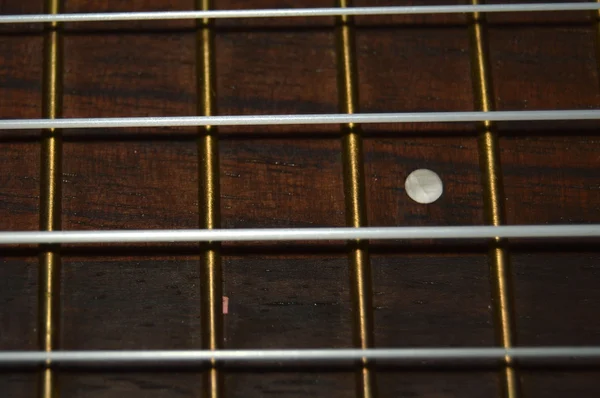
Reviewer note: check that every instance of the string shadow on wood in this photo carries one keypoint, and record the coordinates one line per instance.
(312, 249)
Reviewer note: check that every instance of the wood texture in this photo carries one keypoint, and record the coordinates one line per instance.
(297, 295)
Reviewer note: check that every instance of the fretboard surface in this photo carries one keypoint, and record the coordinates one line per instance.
(299, 294)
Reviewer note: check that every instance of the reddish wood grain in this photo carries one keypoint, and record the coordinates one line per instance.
(297, 295)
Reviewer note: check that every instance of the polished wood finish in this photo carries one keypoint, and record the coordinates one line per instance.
(298, 295)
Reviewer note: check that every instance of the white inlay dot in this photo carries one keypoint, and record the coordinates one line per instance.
(424, 186)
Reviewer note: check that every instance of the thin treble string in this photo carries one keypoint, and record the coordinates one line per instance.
(297, 12)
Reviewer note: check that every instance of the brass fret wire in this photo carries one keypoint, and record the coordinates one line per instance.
(354, 188)
(50, 200)
(489, 157)
(208, 201)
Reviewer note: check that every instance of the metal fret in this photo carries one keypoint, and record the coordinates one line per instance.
(211, 286)
(489, 157)
(50, 200)
(356, 208)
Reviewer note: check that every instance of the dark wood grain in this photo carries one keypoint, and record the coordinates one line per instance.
(297, 295)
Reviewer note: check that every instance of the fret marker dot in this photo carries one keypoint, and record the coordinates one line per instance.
(424, 186)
